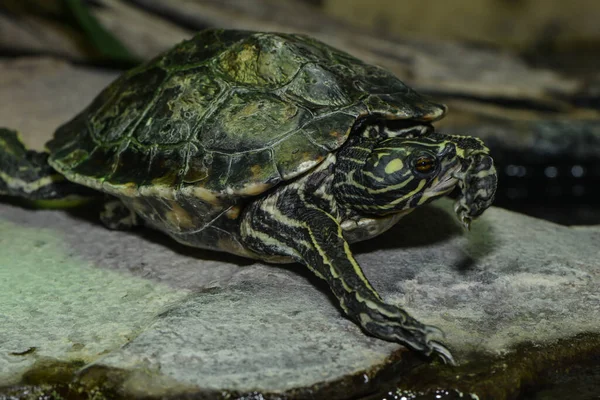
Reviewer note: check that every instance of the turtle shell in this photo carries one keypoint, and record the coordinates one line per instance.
(226, 114)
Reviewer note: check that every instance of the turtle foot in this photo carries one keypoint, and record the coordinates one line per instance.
(395, 325)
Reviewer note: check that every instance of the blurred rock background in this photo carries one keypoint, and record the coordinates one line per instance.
(522, 74)
(547, 31)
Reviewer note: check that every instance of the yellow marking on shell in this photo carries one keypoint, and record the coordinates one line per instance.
(137, 204)
(339, 136)
(249, 110)
(394, 166)
(201, 193)
(158, 191)
(254, 189)
(255, 170)
(129, 189)
(233, 212)
(178, 217)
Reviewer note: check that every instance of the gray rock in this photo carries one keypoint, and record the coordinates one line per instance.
(137, 302)
(39, 94)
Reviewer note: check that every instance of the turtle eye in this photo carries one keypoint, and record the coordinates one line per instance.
(425, 164)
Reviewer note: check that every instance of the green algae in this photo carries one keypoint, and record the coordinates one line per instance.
(523, 373)
(519, 374)
(58, 380)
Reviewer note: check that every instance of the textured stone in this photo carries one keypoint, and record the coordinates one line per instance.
(137, 301)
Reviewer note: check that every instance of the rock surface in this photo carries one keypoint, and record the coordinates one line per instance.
(39, 94)
(175, 320)
(135, 301)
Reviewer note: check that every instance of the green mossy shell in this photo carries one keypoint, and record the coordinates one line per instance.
(230, 113)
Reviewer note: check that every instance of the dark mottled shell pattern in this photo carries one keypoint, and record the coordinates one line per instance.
(227, 113)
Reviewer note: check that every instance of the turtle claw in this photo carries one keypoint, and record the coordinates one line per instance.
(436, 347)
(409, 332)
(442, 352)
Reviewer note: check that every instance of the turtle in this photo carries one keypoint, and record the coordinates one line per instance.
(271, 146)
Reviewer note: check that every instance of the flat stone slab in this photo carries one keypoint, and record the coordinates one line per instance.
(76, 291)
(195, 320)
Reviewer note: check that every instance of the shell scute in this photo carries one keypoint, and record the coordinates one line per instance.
(201, 48)
(261, 60)
(72, 148)
(166, 167)
(114, 119)
(317, 88)
(297, 153)
(248, 169)
(131, 167)
(197, 168)
(330, 132)
(218, 166)
(249, 121)
(99, 164)
(184, 99)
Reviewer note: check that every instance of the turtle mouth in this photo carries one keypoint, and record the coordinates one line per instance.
(450, 180)
(446, 183)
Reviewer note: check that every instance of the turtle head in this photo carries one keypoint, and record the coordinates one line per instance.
(398, 173)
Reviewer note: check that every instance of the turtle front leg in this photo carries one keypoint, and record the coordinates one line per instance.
(314, 237)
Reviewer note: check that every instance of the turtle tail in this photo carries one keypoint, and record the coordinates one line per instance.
(26, 173)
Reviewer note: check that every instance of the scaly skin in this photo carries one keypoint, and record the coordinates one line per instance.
(370, 177)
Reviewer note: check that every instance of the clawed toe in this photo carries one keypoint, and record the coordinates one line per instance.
(443, 352)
